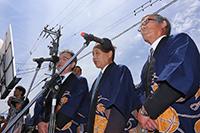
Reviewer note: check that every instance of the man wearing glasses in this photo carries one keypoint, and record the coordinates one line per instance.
(170, 79)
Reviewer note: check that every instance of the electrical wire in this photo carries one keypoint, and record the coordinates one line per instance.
(61, 12)
(38, 40)
(122, 19)
(134, 25)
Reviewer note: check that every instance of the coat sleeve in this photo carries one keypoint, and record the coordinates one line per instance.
(78, 91)
(125, 97)
(182, 71)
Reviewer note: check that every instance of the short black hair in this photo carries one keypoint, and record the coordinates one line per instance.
(106, 47)
(21, 88)
(78, 67)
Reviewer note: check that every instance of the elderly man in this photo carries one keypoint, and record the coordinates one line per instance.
(113, 92)
(70, 100)
(170, 79)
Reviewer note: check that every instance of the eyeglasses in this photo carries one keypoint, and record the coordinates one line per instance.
(145, 22)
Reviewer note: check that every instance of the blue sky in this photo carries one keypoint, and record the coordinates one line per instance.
(105, 18)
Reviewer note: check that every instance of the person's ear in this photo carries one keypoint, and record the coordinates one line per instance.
(164, 24)
(73, 64)
(110, 54)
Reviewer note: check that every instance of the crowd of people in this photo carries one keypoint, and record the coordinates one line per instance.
(166, 100)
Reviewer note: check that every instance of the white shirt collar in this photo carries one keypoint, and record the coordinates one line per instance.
(66, 76)
(156, 42)
(104, 68)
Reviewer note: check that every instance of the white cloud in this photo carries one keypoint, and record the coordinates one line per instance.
(188, 18)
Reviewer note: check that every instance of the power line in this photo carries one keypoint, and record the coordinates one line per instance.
(164, 7)
(136, 11)
(34, 47)
(36, 42)
(99, 18)
(70, 13)
(123, 32)
(109, 27)
(79, 13)
(144, 6)
(123, 18)
(30, 71)
(159, 10)
(61, 12)
(126, 30)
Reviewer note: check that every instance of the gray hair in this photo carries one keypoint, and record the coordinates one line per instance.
(161, 19)
(69, 52)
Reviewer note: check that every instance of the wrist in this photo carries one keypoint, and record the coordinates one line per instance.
(143, 111)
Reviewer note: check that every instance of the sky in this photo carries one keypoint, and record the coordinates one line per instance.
(105, 18)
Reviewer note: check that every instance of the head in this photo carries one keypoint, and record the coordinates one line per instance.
(103, 54)
(77, 70)
(19, 91)
(64, 56)
(153, 26)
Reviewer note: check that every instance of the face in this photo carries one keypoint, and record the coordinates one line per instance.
(100, 58)
(77, 71)
(63, 58)
(151, 29)
(17, 93)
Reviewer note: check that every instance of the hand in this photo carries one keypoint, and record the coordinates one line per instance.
(42, 127)
(146, 122)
